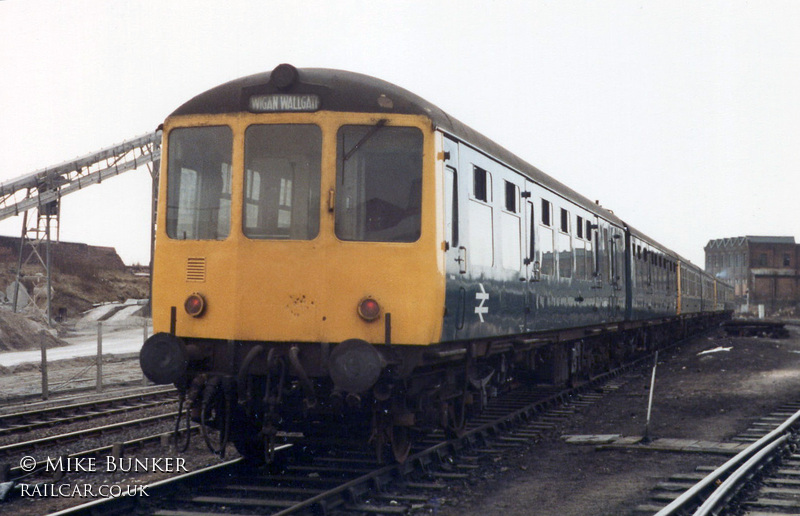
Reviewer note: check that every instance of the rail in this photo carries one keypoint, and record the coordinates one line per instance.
(731, 476)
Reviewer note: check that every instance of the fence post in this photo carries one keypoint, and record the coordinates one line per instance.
(99, 356)
(43, 342)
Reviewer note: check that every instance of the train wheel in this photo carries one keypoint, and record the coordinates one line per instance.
(246, 438)
(401, 442)
(381, 432)
(215, 413)
(456, 417)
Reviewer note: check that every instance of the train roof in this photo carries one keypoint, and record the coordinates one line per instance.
(338, 90)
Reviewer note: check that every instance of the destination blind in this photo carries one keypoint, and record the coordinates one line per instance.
(279, 102)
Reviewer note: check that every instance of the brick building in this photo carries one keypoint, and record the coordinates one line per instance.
(763, 270)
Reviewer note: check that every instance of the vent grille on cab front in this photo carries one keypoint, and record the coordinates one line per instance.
(196, 269)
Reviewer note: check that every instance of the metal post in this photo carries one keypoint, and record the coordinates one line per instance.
(43, 341)
(49, 275)
(99, 356)
(154, 174)
(144, 338)
(646, 437)
(19, 261)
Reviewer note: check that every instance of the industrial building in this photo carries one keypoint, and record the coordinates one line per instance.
(764, 270)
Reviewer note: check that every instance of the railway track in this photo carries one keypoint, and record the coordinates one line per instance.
(345, 478)
(35, 445)
(28, 420)
(112, 450)
(761, 480)
(49, 423)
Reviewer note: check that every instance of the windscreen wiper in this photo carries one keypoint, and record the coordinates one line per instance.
(363, 140)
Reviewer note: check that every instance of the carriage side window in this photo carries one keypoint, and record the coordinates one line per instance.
(451, 205)
(565, 265)
(282, 181)
(609, 262)
(578, 248)
(378, 183)
(511, 229)
(511, 241)
(199, 183)
(547, 250)
(481, 233)
(589, 252)
(546, 212)
(512, 197)
(481, 184)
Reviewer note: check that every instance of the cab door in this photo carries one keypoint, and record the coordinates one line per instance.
(455, 251)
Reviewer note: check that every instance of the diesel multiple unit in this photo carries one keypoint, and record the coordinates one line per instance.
(331, 247)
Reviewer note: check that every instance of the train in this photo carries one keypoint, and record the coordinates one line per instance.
(334, 252)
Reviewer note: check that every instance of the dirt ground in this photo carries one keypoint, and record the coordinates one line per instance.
(66, 377)
(712, 397)
(73, 294)
(22, 332)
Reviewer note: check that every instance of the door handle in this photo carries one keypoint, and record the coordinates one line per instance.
(462, 259)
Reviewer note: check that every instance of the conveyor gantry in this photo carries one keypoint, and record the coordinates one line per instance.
(48, 185)
(42, 190)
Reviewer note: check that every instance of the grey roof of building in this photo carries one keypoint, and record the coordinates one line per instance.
(771, 239)
(739, 241)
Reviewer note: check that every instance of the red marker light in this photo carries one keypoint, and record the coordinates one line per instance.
(369, 309)
(195, 305)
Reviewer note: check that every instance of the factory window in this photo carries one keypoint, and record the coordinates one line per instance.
(564, 221)
(199, 183)
(512, 196)
(787, 260)
(762, 260)
(579, 226)
(282, 181)
(378, 183)
(547, 211)
(481, 184)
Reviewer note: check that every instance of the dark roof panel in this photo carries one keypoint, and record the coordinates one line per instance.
(340, 90)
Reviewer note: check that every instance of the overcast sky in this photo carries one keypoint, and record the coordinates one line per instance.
(683, 117)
